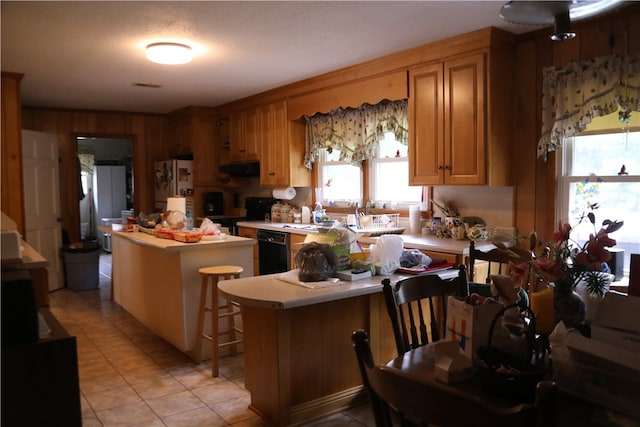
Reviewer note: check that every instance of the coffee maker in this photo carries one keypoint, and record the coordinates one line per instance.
(213, 204)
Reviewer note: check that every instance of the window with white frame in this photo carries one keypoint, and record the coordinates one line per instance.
(341, 182)
(604, 169)
(389, 175)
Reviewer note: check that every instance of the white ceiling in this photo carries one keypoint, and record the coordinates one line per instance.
(89, 55)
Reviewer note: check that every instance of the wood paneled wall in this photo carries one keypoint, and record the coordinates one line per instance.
(147, 131)
(12, 185)
(613, 33)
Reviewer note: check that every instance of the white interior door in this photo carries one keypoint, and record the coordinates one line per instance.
(42, 200)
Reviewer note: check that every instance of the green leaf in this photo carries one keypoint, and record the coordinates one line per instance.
(592, 217)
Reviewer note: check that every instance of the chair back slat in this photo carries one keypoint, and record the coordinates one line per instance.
(407, 301)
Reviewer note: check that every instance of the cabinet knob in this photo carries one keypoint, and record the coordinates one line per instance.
(272, 173)
(440, 167)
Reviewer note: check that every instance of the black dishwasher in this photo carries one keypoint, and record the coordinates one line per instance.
(273, 251)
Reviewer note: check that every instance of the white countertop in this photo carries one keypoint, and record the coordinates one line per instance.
(173, 245)
(411, 241)
(270, 292)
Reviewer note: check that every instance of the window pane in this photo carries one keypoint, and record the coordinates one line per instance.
(344, 182)
(391, 181)
(605, 154)
(618, 201)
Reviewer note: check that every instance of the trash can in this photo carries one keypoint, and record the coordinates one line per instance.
(82, 265)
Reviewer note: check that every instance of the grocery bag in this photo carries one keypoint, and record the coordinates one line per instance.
(469, 324)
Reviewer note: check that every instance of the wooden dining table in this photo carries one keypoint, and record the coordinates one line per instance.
(419, 365)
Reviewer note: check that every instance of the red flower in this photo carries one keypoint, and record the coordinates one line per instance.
(595, 252)
(563, 233)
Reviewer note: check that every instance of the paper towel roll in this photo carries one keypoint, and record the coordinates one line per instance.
(177, 204)
(414, 219)
(284, 193)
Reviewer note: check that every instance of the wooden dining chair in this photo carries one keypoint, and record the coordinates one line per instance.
(421, 402)
(497, 263)
(408, 300)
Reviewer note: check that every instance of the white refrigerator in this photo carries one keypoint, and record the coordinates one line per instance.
(173, 178)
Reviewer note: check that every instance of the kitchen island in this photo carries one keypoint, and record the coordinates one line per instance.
(157, 281)
(299, 360)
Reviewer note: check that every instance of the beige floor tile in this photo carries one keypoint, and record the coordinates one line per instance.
(221, 392)
(194, 375)
(127, 415)
(91, 420)
(201, 417)
(112, 398)
(173, 404)
(159, 387)
(235, 410)
(144, 374)
(102, 382)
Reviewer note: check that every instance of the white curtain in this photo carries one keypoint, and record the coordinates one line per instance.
(355, 131)
(573, 96)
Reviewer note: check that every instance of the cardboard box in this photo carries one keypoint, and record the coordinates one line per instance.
(621, 339)
(450, 365)
(350, 276)
(619, 311)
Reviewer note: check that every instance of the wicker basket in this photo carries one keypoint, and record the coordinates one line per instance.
(505, 375)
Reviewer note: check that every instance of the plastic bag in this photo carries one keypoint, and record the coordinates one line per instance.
(386, 253)
(413, 257)
(209, 228)
(316, 262)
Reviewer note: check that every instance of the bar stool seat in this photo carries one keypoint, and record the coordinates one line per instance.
(230, 309)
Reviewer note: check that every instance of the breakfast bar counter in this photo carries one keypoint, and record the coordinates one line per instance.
(157, 281)
(299, 360)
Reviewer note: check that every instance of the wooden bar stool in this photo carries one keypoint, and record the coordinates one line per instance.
(232, 309)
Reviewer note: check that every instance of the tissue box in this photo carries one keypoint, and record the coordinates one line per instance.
(350, 276)
(450, 365)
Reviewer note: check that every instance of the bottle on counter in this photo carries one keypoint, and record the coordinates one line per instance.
(305, 215)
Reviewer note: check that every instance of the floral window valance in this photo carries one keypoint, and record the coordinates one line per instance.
(573, 96)
(355, 131)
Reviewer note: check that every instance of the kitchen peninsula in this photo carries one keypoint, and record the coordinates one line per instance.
(157, 281)
(299, 362)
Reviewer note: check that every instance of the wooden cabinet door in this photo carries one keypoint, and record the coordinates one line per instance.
(426, 121)
(464, 118)
(243, 136)
(274, 165)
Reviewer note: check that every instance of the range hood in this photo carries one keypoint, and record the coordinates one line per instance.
(241, 169)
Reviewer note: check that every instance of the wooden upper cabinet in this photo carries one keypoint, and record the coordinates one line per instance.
(451, 140)
(426, 125)
(243, 136)
(281, 148)
(464, 118)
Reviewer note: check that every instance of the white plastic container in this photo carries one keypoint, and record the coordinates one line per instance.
(306, 215)
(414, 219)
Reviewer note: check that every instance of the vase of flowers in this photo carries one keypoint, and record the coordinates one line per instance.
(563, 263)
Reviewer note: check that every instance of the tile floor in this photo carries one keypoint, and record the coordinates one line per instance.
(131, 377)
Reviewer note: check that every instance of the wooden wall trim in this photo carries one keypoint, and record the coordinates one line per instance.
(392, 86)
(394, 62)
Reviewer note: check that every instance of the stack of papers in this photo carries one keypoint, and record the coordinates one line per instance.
(292, 277)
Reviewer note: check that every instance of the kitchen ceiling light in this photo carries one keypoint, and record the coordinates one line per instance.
(558, 13)
(562, 30)
(169, 53)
